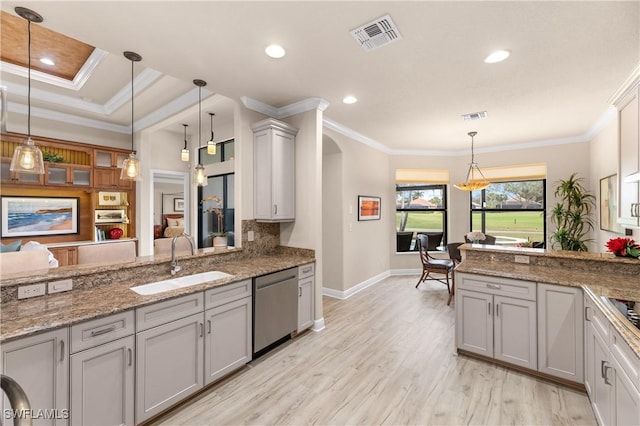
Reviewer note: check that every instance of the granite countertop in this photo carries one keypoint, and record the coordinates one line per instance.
(19, 318)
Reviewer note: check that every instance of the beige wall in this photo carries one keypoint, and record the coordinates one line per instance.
(332, 215)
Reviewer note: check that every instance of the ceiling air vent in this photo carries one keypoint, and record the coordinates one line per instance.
(376, 33)
(475, 116)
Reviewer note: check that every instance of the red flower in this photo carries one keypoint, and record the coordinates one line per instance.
(623, 247)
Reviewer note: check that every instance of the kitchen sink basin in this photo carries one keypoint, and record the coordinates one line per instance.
(179, 282)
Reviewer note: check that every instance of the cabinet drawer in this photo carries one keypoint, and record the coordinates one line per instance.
(307, 270)
(169, 310)
(625, 356)
(102, 330)
(494, 285)
(227, 293)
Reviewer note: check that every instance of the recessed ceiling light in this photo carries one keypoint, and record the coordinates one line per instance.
(350, 100)
(275, 51)
(47, 61)
(497, 56)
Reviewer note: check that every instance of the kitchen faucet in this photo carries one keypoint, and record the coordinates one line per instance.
(174, 262)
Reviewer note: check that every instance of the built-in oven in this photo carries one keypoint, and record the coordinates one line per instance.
(275, 309)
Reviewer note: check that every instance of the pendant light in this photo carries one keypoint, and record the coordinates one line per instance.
(475, 179)
(131, 165)
(184, 154)
(211, 145)
(200, 178)
(27, 158)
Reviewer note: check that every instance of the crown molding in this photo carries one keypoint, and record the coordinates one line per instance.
(143, 80)
(171, 109)
(309, 104)
(68, 118)
(359, 137)
(76, 84)
(626, 87)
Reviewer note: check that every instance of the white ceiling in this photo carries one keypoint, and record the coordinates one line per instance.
(568, 59)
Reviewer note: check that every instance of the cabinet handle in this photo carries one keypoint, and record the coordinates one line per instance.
(489, 307)
(130, 353)
(299, 291)
(497, 309)
(275, 209)
(606, 375)
(305, 270)
(587, 313)
(633, 209)
(602, 365)
(201, 329)
(209, 323)
(61, 350)
(494, 286)
(103, 331)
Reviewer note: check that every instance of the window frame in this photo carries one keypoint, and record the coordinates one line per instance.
(221, 147)
(444, 209)
(483, 211)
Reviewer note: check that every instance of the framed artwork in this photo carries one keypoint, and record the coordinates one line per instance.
(178, 204)
(368, 208)
(111, 216)
(39, 216)
(109, 198)
(608, 204)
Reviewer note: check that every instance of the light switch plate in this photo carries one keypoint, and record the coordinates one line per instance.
(522, 259)
(250, 235)
(60, 285)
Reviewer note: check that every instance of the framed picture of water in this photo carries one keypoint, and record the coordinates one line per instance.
(39, 216)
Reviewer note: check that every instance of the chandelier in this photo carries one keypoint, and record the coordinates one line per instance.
(475, 179)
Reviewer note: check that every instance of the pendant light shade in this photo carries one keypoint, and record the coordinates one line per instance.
(211, 145)
(131, 166)
(200, 177)
(475, 179)
(27, 158)
(184, 154)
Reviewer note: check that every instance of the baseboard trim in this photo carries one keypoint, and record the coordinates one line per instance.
(342, 295)
(318, 325)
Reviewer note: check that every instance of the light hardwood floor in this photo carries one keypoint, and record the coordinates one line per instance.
(386, 357)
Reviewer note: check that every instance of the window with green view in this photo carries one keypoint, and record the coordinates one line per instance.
(420, 208)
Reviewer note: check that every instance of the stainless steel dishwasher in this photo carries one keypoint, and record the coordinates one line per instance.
(275, 307)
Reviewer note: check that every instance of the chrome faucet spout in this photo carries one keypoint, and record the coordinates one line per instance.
(175, 268)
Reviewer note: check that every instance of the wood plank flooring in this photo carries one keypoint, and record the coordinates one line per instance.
(386, 357)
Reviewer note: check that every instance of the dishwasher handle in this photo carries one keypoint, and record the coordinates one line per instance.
(262, 285)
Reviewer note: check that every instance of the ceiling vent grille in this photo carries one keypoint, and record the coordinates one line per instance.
(475, 116)
(376, 33)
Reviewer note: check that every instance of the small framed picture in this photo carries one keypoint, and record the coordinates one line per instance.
(608, 204)
(368, 208)
(178, 204)
(109, 198)
(111, 216)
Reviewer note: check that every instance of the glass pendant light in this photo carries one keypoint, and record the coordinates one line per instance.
(211, 145)
(475, 178)
(27, 158)
(184, 154)
(131, 165)
(199, 177)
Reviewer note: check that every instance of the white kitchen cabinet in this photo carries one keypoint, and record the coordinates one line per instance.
(102, 370)
(40, 365)
(601, 392)
(274, 171)
(560, 332)
(102, 384)
(629, 160)
(169, 355)
(306, 290)
(490, 323)
(625, 400)
(228, 339)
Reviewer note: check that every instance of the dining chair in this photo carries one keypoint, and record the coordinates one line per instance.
(403, 240)
(438, 266)
(454, 252)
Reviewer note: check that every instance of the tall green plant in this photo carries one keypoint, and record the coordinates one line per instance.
(572, 216)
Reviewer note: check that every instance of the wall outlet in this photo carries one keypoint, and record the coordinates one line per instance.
(26, 291)
(61, 285)
(250, 235)
(522, 259)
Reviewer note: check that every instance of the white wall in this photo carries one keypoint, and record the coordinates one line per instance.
(332, 216)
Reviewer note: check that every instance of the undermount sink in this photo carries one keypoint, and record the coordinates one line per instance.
(180, 282)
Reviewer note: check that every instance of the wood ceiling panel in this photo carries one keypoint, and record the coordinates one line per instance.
(68, 54)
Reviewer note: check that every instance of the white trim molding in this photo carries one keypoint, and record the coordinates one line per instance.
(309, 104)
(318, 325)
(342, 295)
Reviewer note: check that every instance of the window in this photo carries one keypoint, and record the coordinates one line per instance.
(221, 186)
(512, 211)
(420, 208)
(224, 152)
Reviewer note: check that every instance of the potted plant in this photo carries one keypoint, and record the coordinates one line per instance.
(220, 236)
(572, 215)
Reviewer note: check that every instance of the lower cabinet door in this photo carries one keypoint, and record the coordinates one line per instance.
(626, 398)
(40, 365)
(228, 338)
(515, 328)
(305, 303)
(474, 322)
(102, 384)
(589, 362)
(169, 364)
(601, 390)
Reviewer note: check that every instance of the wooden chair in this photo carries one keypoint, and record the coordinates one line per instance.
(438, 266)
(454, 252)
